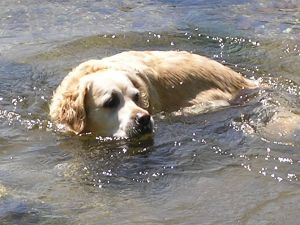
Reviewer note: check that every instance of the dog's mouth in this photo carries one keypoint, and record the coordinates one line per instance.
(141, 125)
(137, 129)
(142, 130)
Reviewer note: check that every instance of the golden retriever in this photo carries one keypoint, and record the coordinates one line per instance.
(117, 95)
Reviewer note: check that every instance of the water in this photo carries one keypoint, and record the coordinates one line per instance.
(229, 166)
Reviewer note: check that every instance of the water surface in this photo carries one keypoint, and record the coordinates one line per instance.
(228, 166)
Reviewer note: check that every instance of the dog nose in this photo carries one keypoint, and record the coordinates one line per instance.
(143, 118)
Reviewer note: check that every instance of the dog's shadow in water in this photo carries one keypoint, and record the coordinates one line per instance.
(106, 161)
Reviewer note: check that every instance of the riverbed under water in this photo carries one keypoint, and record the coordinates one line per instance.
(228, 166)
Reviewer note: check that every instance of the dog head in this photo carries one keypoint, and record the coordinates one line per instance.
(106, 103)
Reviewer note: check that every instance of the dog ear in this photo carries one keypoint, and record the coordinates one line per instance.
(72, 110)
(149, 95)
(141, 86)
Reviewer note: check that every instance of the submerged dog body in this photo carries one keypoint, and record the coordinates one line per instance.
(115, 96)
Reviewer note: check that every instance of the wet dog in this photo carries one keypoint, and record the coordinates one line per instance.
(117, 95)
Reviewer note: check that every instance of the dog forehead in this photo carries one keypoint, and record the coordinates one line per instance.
(110, 80)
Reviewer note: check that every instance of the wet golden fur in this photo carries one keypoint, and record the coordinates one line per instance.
(166, 81)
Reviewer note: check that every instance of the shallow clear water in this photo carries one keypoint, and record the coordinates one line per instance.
(229, 166)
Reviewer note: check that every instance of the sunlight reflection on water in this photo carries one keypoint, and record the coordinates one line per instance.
(231, 158)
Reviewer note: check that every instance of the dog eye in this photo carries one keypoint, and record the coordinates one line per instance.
(136, 97)
(112, 102)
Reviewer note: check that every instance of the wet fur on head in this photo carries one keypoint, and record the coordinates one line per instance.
(67, 105)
